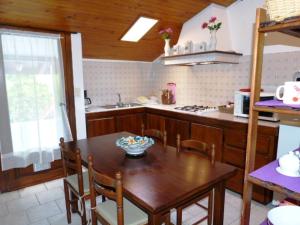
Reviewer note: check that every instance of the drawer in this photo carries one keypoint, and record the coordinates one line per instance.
(237, 139)
(237, 157)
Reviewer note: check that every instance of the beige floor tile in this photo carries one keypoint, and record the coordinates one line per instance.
(22, 204)
(8, 196)
(54, 184)
(42, 211)
(61, 219)
(61, 204)
(32, 190)
(41, 222)
(15, 219)
(3, 210)
(50, 195)
(231, 213)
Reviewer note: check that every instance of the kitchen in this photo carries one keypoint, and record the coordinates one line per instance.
(105, 72)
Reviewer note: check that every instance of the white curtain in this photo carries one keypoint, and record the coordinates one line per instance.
(31, 79)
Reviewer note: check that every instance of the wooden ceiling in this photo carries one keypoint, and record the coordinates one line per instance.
(103, 22)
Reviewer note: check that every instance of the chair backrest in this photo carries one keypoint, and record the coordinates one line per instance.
(72, 163)
(101, 184)
(196, 146)
(161, 136)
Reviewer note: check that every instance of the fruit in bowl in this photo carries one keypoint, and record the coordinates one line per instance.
(134, 145)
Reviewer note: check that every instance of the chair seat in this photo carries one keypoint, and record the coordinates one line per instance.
(132, 214)
(73, 181)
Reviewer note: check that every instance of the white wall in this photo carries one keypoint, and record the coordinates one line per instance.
(192, 29)
(237, 29)
(78, 85)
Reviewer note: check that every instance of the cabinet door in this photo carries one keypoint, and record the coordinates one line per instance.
(131, 123)
(101, 126)
(155, 122)
(210, 135)
(174, 127)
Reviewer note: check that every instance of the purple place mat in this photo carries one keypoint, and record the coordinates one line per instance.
(268, 173)
(276, 103)
(266, 222)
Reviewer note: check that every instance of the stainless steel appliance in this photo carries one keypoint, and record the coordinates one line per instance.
(87, 100)
(197, 108)
(242, 104)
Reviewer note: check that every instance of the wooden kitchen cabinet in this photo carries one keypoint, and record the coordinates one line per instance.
(100, 126)
(174, 127)
(155, 122)
(131, 123)
(234, 153)
(210, 135)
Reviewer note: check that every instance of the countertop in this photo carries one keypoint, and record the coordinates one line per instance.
(213, 115)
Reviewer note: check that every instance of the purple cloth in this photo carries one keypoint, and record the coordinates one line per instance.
(268, 173)
(276, 103)
(266, 222)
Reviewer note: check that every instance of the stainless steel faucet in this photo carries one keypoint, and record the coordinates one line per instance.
(119, 103)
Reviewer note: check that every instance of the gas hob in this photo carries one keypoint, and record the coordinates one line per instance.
(197, 108)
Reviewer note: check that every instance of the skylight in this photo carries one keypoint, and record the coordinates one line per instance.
(139, 29)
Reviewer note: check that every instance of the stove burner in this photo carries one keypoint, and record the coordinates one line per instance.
(197, 108)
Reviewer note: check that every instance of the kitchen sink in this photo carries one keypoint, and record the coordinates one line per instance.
(123, 105)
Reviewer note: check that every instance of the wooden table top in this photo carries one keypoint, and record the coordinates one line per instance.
(161, 179)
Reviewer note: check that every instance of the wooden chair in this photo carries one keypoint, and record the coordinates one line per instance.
(76, 183)
(156, 134)
(116, 210)
(207, 151)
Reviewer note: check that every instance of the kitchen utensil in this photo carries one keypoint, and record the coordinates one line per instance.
(291, 93)
(284, 215)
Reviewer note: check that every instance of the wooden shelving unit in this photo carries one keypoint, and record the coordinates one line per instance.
(291, 27)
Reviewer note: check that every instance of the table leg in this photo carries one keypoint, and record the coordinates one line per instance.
(219, 197)
(154, 219)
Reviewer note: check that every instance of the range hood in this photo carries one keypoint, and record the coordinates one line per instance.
(203, 58)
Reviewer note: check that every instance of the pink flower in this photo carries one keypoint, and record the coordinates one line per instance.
(213, 19)
(169, 30)
(161, 31)
(204, 25)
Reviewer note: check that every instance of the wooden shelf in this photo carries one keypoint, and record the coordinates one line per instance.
(262, 176)
(274, 187)
(290, 27)
(202, 58)
(276, 110)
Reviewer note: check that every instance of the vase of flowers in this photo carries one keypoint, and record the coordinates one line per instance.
(213, 25)
(166, 35)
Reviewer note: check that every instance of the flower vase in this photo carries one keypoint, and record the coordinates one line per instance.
(167, 47)
(213, 40)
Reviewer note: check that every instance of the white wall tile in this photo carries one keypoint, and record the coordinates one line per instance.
(103, 80)
(206, 85)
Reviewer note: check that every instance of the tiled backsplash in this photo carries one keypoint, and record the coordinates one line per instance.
(103, 80)
(207, 85)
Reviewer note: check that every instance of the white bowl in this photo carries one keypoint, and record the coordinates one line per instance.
(285, 215)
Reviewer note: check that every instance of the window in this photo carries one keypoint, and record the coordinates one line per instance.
(32, 99)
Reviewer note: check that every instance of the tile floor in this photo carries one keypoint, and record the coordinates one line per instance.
(44, 204)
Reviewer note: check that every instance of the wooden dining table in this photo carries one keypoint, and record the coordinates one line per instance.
(162, 179)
